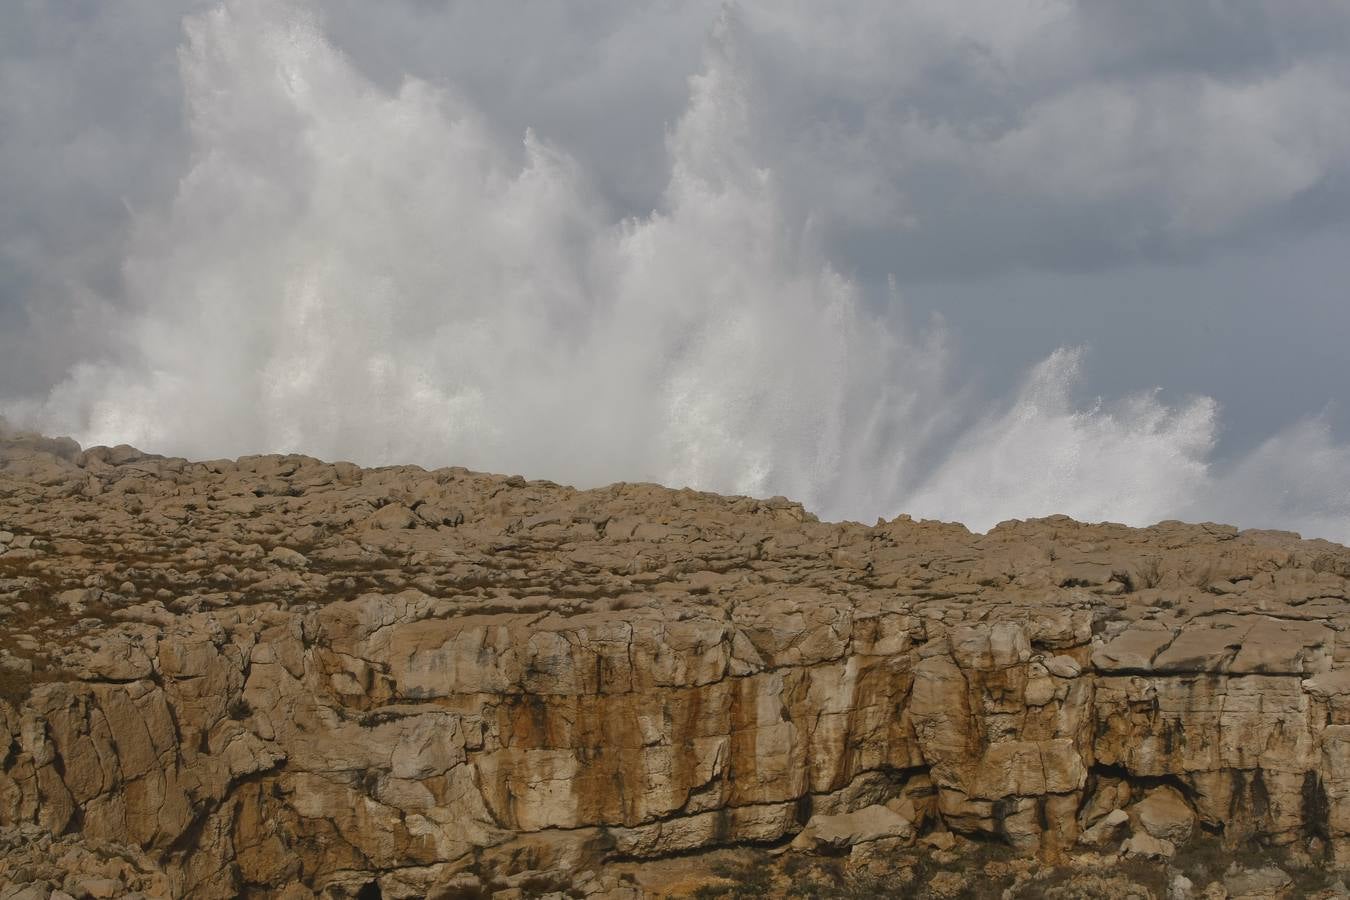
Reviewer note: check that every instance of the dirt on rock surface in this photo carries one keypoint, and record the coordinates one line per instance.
(280, 677)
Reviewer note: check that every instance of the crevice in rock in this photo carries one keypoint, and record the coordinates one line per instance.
(1139, 783)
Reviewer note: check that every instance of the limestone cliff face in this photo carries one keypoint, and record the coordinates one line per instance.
(279, 676)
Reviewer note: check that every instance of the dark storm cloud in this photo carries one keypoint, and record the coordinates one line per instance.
(961, 141)
(931, 140)
(1130, 38)
(90, 129)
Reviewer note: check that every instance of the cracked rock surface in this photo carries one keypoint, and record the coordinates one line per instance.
(282, 677)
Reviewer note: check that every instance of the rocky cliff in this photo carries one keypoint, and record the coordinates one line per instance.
(282, 677)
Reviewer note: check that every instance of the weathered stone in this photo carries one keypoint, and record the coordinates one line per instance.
(471, 677)
(847, 829)
(1146, 846)
(285, 556)
(1105, 830)
(1164, 813)
(1266, 883)
(1180, 888)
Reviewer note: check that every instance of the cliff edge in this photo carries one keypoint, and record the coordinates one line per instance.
(280, 677)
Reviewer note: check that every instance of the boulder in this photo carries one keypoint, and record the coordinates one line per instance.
(285, 556)
(1146, 846)
(1164, 813)
(841, 831)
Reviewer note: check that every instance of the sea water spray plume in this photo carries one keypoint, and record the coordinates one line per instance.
(373, 274)
(378, 276)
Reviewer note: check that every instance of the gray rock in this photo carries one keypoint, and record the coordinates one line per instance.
(1265, 883)
(285, 556)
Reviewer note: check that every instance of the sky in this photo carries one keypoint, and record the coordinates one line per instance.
(971, 261)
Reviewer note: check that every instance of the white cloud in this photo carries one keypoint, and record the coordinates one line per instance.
(1298, 479)
(1135, 461)
(375, 269)
(375, 274)
(1212, 156)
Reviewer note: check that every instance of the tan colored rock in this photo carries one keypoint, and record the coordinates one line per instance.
(1333, 784)
(442, 674)
(1106, 830)
(1164, 813)
(1146, 846)
(285, 556)
(845, 830)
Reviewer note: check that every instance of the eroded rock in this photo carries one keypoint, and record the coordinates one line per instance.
(287, 677)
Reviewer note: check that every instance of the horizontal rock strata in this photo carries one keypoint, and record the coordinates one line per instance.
(277, 676)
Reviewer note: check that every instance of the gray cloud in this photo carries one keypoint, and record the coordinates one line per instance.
(1167, 184)
(90, 130)
(949, 142)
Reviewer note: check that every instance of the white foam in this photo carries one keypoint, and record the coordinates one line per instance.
(379, 276)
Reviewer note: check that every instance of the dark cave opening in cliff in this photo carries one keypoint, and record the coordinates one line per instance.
(370, 891)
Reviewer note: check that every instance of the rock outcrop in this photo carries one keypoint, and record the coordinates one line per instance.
(277, 676)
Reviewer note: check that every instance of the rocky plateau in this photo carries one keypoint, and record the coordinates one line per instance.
(284, 678)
